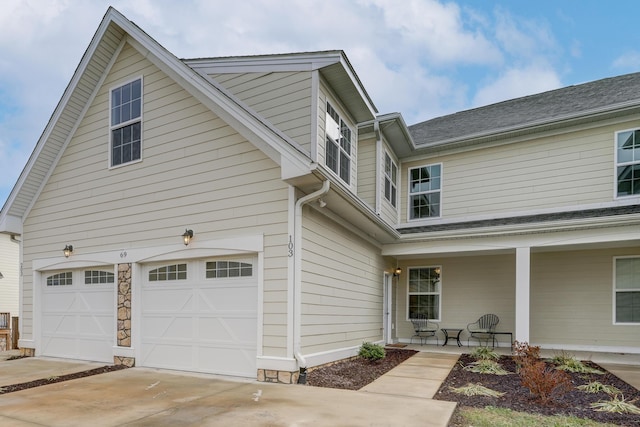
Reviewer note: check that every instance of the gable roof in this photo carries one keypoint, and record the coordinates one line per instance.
(114, 30)
(548, 110)
(333, 65)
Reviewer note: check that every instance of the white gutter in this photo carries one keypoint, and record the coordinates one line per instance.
(376, 129)
(297, 269)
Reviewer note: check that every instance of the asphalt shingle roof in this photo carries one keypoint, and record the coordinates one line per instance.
(526, 219)
(543, 107)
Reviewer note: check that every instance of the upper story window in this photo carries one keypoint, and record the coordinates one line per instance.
(338, 150)
(628, 163)
(425, 191)
(390, 178)
(126, 123)
(627, 290)
(60, 279)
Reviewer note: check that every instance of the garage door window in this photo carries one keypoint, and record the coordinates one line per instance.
(224, 269)
(95, 277)
(60, 279)
(168, 272)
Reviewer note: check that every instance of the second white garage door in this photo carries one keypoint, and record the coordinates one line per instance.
(201, 316)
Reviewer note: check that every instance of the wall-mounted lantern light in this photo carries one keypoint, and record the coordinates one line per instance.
(187, 236)
(68, 250)
(397, 272)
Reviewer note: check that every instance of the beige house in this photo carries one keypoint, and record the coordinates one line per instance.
(9, 265)
(246, 215)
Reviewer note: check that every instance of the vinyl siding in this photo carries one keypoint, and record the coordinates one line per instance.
(9, 267)
(572, 299)
(471, 287)
(283, 98)
(572, 169)
(367, 171)
(195, 172)
(342, 288)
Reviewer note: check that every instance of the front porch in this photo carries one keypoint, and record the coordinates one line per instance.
(601, 358)
(561, 298)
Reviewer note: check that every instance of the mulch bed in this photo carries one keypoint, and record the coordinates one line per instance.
(518, 398)
(355, 373)
(57, 379)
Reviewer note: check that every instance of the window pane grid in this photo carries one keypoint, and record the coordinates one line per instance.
(126, 108)
(228, 269)
(627, 290)
(424, 191)
(168, 272)
(338, 145)
(94, 277)
(390, 176)
(60, 279)
(424, 292)
(628, 163)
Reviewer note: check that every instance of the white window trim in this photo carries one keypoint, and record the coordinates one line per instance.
(393, 203)
(119, 125)
(439, 319)
(615, 291)
(352, 146)
(409, 194)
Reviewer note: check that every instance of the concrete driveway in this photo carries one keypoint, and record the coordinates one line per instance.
(149, 397)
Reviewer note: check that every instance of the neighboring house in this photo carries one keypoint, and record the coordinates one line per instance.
(9, 280)
(303, 201)
(9, 286)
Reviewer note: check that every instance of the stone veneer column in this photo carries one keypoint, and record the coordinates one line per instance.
(124, 313)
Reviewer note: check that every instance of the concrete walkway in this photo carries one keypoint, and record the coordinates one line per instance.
(419, 376)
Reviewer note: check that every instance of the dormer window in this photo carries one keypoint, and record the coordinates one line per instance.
(338, 149)
(126, 123)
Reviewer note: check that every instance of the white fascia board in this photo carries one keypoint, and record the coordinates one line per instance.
(268, 63)
(10, 224)
(356, 82)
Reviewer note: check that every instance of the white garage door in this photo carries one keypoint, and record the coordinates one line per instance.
(201, 316)
(78, 319)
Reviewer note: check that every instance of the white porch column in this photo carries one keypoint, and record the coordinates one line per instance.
(523, 273)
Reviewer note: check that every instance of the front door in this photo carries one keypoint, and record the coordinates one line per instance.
(388, 310)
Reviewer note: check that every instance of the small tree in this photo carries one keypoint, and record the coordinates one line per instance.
(542, 381)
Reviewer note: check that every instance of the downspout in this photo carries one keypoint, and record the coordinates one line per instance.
(297, 269)
(378, 174)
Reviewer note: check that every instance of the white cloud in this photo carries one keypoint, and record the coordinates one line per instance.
(517, 82)
(436, 31)
(418, 57)
(628, 61)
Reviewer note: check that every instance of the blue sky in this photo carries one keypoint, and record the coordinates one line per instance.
(423, 58)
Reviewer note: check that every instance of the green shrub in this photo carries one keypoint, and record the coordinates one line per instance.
(484, 353)
(476, 390)
(576, 366)
(597, 387)
(484, 366)
(616, 405)
(371, 352)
